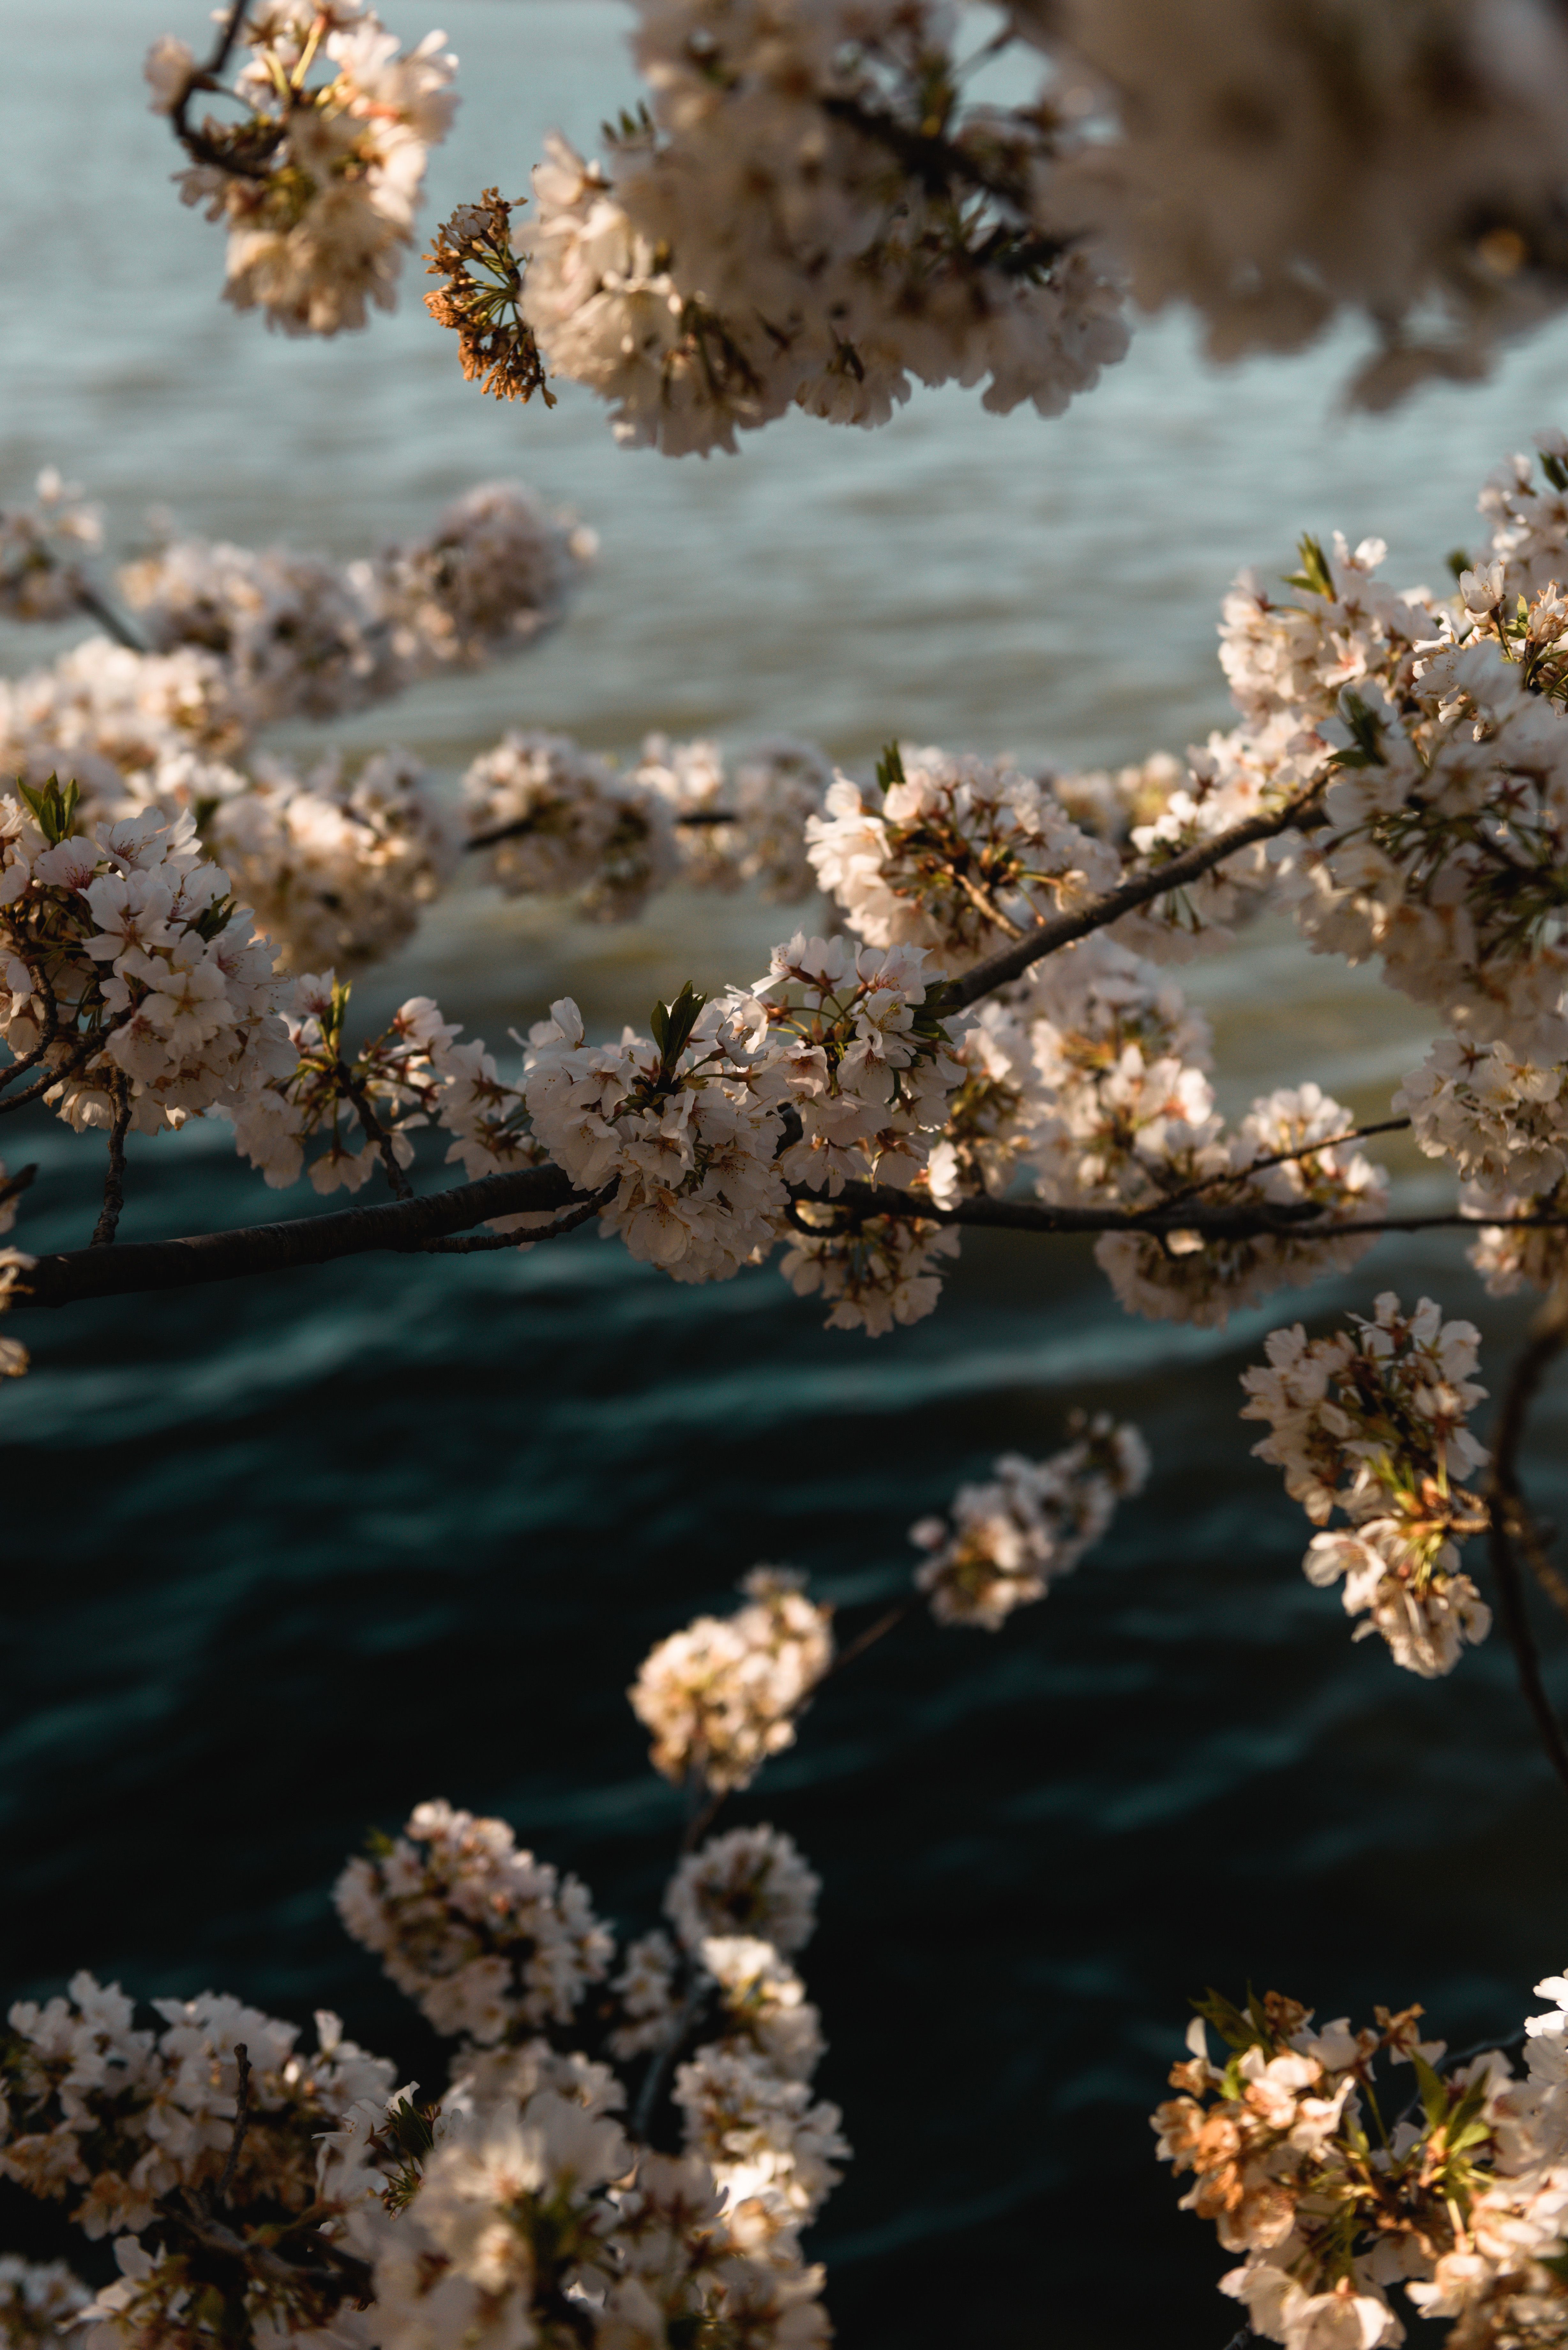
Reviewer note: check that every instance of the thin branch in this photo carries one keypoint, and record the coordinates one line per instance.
(374, 1130)
(242, 2119)
(518, 826)
(1507, 1516)
(885, 1623)
(1065, 930)
(471, 1244)
(664, 2055)
(112, 622)
(1277, 1220)
(1284, 1158)
(228, 158)
(400, 1224)
(107, 1224)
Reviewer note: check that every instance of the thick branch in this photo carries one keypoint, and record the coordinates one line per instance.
(114, 1179)
(400, 1224)
(1282, 1220)
(1509, 1519)
(1065, 930)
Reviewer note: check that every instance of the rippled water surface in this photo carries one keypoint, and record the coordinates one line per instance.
(284, 1557)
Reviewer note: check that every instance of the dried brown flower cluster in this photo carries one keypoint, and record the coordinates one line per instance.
(473, 251)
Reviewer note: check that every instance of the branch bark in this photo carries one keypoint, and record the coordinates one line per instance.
(402, 1225)
(1010, 963)
(1509, 1522)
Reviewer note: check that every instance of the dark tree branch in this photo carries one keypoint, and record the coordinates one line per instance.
(1010, 962)
(520, 824)
(374, 1130)
(251, 164)
(107, 1224)
(112, 622)
(1508, 1518)
(1284, 1158)
(398, 1224)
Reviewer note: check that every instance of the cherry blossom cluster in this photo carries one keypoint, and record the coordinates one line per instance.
(117, 2122)
(555, 820)
(1372, 1423)
(40, 547)
(490, 1942)
(40, 2302)
(1337, 2201)
(724, 1694)
(133, 985)
(245, 2182)
(807, 212)
(363, 1111)
(1274, 170)
(302, 637)
(338, 869)
(318, 180)
(954, 855)
(1005, 1541)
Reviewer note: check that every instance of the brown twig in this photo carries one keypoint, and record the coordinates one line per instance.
(518, 826)
(1508, 1517)
(226, 158)
(242, 2119)
(887, 1622)
(1010, 963)
(113, 622)
(1284, 1159)
(107, 1224)
(374, 1130)
(470, 1244)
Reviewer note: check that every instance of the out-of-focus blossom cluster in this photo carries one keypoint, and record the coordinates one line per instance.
(40, 547)
(1005, 1541)
(1372, 1423)
(301, 637)
(808, 213)
(1337, 2200)
(40, 2302)
(14, 1262)
(338, 869)
(318, 180)
(724, 1694)
(555, 820)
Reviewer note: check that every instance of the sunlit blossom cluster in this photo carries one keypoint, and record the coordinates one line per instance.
(808, 213)
(1339, 2201)
(1373, 1422)
(1004, 1542)
(318, 179)
(723, 1695)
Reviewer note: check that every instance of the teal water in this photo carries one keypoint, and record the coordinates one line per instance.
(283, 1558)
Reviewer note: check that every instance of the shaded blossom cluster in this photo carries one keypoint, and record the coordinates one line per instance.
(1372, 1423)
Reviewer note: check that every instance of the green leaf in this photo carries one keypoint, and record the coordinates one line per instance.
(53, 810)
(672, 1025)
(1554, 470)
(1366, 733)
(1434, 2096)
(1228, 2020)
(409, 2125)
(889, 766)
(1315, 574)
(1457, 560)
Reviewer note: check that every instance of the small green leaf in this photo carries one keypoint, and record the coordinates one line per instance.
(1457, 560)
(1555, 470)
(53, 810)
(1434, 2096)
(1228, 2020)
(1315, 574)
(891, 767)
(672, 1025)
